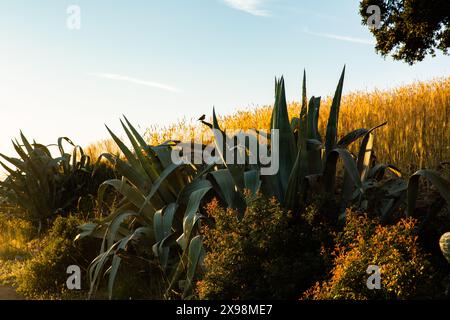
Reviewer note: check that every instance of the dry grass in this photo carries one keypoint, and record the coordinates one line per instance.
(94, 150)
(15, 234)
(15, 243)
(417, 134)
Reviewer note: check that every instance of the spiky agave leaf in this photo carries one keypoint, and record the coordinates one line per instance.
(333, 120)
(441, 184)
(314, 138)
(296, 184)
(288, 148)
(195, 260)
(329, 175)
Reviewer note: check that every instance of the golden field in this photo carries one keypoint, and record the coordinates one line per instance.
(416, 135)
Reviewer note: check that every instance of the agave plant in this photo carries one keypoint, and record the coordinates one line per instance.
(41, 185)
(159, 199)
(308, 161)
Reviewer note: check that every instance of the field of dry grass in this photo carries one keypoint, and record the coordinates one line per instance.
(416, 135)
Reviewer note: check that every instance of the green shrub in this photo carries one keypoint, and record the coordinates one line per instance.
(44, 275)
(404, 267)
(269, 254)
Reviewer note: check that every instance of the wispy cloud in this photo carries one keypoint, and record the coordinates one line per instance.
(254, 7)
(117, 77)
(340, 37)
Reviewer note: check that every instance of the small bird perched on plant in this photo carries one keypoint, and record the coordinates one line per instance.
(202, 120)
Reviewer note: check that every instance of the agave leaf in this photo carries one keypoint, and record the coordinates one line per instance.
(42, 148)
(288, 147)
(144, 146)
(348, 193)
(97, 266)
(190, 221)
(144, 161)
(366, 151)
(60, 145)
(303, 133)
(195, 258)
(314, 142)
(19, 164)
(116, 260)
(329, 175)
(128, 154)
(20, 151)
(223, 180)
(161, 179)
(116, 224)
(123, 206)
(85, 161)
(313, 145)
(377, 171)
(296, 184)
(313, 119)
(83, 158)
(27, 145)
(441, 184)
(141, 141)
(365, 156)
(352, 137)
(295, 124)
(31, 162)
(66, 162)
(197, 184)
(394, 187)
(333, 120)
(163, 153)
(90, 230)
(127, 171)
(162, 221)
(191, 217)
(293, 192)
(9, 170)
(224, 148)
(162, 224)
(157, 225)
(178, 181)
(131, 193)
(160, 247)
(252, 181)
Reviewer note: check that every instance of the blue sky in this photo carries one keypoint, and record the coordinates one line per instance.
(159, 61)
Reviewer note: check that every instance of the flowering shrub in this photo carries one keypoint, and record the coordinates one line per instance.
(404, 267)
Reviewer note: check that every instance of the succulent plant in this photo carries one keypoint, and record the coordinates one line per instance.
(444, 243)
(42, 185)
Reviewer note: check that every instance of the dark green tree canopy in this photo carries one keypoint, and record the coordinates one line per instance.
(410, 29)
